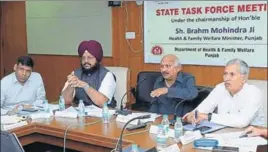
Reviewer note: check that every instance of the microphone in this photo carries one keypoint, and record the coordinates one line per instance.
(181, 102)
(118, 147)
(125, 111)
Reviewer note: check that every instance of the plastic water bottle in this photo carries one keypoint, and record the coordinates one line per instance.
(165, 122)
(81, 108)
(105, 113)
(178, 129)
(161, 138)
(61, 103)
(46, 106)
(134, 148)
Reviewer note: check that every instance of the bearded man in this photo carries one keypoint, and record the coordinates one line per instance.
(92, 82)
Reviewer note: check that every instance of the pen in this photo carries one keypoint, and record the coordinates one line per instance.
(244, 135)
(195, 117)
(195, 114)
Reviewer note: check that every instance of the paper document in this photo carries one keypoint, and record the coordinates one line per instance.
(124, 119)
(95, 111)
(213, 126)
(225, 135)
(5, 120)
(248, 144)
(243, 142)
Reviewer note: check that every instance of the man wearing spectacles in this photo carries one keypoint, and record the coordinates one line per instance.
(239, 104)
(172, 87)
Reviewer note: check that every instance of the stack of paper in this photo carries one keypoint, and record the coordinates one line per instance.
(231, 139)
(124, 119)
(5, 120)
(96, 111)
(11, 122)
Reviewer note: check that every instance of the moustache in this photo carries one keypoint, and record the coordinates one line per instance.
(86, 64)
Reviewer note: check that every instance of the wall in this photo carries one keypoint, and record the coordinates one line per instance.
(54, 69)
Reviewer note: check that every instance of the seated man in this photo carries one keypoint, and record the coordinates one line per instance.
(22, 88)
(172, 87)
(92, 82)
(238, 103)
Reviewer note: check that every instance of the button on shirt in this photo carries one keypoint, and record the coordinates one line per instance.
(13, 92)
(240, 110)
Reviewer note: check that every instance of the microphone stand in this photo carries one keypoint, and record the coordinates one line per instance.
(123, 111)
(172, 122)
(118, 148)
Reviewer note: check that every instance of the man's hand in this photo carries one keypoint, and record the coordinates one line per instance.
(75, 82)
(14, 110)
(254, 131)
(72, 80)
(201, 117)
(27, 106)
(191, 118)
(158, 92)
(80, 84)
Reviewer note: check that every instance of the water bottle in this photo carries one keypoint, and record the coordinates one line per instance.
(61, 103)
(165, 122)
(134, 148)
(105, 113)
(81, 108)
(178, 129)
(46, 106)
(161, 138)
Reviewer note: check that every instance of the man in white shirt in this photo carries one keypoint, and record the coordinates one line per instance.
(92, 82)
(22, 88)
(238, 103)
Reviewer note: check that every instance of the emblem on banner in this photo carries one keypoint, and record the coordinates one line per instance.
(157, 50)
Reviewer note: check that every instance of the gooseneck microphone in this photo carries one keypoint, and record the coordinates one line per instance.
(118, 147)
(125, 111)
(181, 102)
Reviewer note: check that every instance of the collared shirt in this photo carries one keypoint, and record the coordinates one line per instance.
(239, 110)
(13, 92)
(183, 88)
(107, 87)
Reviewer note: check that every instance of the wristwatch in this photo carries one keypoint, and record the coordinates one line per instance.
(209, 116)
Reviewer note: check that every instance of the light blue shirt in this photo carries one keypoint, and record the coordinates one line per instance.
(14, 93)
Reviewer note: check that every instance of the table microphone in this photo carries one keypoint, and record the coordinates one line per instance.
(172, 122)
(125, 111)
(119, 144)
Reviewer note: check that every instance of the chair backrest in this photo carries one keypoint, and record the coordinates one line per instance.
(144, 88)
(10, 142)
(122, 75)
(262, 85)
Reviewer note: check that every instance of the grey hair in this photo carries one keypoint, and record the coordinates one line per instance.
(177, 62)
(243, 66)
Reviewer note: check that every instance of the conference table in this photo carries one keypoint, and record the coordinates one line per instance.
(97, 137)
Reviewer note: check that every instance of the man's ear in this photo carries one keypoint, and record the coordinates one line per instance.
(244, 79)
(15, 67)
(179, 68)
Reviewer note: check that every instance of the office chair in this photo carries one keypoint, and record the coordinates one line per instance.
(10, 142)
(143, 90)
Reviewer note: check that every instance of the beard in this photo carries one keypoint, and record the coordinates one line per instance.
(92, 69)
